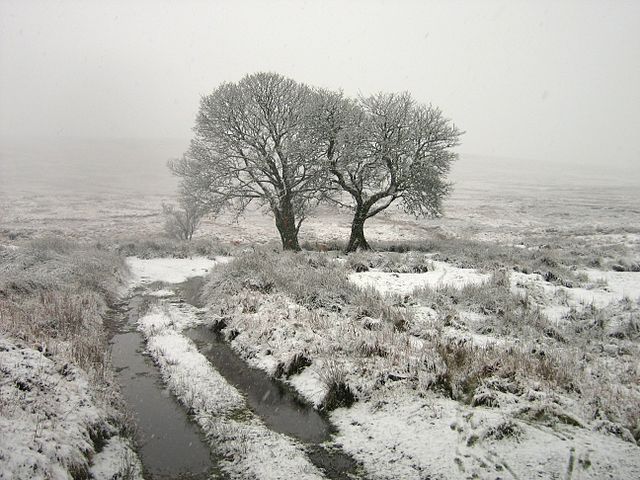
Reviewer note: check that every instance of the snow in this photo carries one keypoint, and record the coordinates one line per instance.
(169, 270)
(116, 460)
(309, 385)
(396, 435)
(556, 301)
(619, 284)
(48, 414)
(443, 274)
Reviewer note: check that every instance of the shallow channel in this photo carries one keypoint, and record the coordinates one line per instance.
(169, 444)
(276, 403)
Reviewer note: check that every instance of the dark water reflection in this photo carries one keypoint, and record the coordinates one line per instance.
(170, 445)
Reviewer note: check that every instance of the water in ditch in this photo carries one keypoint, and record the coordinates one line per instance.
(276, 403)
(170, 445)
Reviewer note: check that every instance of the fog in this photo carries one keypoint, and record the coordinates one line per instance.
(544, 87)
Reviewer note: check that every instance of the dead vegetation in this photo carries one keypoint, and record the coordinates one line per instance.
(53, 296)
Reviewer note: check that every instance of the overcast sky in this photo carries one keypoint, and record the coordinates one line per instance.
(534, 80)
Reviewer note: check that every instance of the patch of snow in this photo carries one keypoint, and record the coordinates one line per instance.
(556, 301)
(116, 460)
(170, 270)
(309, 385)
(405, 283)
(555, 313)
(619, 284)
(397, 436)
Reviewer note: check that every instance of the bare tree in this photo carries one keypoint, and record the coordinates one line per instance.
(182, 221)
(382, 149)
(252, 143)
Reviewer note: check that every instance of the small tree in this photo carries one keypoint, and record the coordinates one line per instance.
(252, 144)
(382, 149)
(181, 222)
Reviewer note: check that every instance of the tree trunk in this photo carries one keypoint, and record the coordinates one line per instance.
(286, 224)
(357, 240)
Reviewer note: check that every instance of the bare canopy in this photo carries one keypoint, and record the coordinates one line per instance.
(251, 144)
(286, 146)
(382, 149)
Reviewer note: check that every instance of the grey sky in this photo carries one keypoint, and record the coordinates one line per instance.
(536, 80)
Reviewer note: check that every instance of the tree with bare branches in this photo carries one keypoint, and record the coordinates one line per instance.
(383, 149)
(252, 144)
(182, 221)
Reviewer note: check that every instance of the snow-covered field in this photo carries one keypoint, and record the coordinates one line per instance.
(404, 424)
(168, 270)
(465, 370)
(441, 274)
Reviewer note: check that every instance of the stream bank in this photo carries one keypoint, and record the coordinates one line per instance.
(256, 426)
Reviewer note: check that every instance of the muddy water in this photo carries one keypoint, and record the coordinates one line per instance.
(170, 445)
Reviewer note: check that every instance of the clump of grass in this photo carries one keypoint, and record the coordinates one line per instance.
(338, 393)
(312, 280)
(367, 302)
(409, 262)
(54, 292)
(626, 265)
(504, 429)
(296, 364)
(472, 372)
(323, 246)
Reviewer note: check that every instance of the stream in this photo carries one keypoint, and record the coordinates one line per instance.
(170, 444)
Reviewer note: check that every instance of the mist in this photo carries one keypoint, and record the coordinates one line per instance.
(537, 86)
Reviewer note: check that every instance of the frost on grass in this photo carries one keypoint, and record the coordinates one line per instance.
(249, 448)
(397, 435)
(50, 425)
(485, 355)
(58, 403)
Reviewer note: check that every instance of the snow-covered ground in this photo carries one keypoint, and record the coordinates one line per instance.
(401, 427)
(250, 449)
(442, 274)
(50, 424)
(221, 411)
(169, 270)
(399, 435)
(557, 301)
